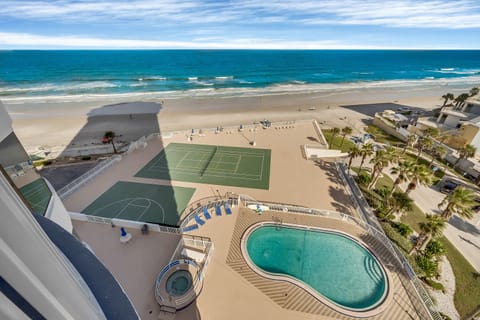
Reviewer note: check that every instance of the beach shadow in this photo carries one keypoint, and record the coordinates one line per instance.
(330, 171)
(463, 225)
(129, 121)
(313, 139)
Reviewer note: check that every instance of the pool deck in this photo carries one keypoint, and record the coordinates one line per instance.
(232, 290)
(292, 178)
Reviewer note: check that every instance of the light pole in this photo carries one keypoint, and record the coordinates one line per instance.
(254, 142)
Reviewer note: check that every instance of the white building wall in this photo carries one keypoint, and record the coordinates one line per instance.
(5, 123)
(56, 211)
(35, 267)
(476, 142)
(451, 121)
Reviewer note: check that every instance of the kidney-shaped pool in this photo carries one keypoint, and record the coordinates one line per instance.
(336, 266)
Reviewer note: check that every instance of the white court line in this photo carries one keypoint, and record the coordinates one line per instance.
(238, 163)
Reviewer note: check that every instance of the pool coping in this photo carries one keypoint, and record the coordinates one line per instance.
(376, 310)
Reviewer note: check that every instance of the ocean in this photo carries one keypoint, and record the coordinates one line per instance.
(40, 75)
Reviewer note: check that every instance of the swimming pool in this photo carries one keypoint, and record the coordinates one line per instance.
(335, 266)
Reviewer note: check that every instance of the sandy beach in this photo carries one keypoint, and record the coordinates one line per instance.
(55, 125)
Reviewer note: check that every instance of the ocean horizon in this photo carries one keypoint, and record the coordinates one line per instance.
(36, 75)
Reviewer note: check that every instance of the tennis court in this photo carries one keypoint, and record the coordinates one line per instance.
(142, 202)
(38, 195)
(229, 166)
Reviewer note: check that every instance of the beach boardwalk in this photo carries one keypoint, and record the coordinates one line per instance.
(228, 166)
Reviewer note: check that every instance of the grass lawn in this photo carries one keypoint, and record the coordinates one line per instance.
(383, 137)
(337, 142)
(466, 278)
(467, 281)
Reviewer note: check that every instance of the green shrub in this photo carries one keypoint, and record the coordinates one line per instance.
(427, 265)
(434, 248)
(403, 229)
(364, 178)
(435, 285)
(396, 237)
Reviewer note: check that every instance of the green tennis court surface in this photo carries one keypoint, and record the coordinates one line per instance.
(38, 195)
(142, 202)
(229, 166)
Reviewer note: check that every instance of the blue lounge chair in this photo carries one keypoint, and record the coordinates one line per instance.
(199, 221)
(190, 228)
(218, 210)
(227, 208)
(206, 214)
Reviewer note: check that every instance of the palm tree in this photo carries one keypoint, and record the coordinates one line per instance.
(447, 96)
(335, 131)
(403, 171)
(365, 151)
(459, 201)
(410, 141)
(345, 131)
(381, 160)
(438, 151)
(460, 100)
(432, 228)
(423, 143)
(466, 152)
(474, 91)
(353, 153)
(420, 175)
(109, 136)
(434, 225)
(400, 203)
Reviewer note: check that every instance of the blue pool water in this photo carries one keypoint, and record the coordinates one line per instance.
(334, 265)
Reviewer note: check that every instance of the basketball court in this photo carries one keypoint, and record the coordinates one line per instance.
(142, 202)
(229, 166)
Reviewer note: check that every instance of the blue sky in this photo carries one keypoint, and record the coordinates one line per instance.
(241, 24)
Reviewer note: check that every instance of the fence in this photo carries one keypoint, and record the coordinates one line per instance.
(87, 176)
(197, 208)
(320, 134)
(123, 223)
(374, 228)
(413, 286)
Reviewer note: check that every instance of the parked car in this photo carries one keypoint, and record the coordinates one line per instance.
(448, 186)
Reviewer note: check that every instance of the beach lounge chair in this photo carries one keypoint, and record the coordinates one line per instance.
(227, 208)
(206, 214)
(218, 210)
(190, 228)
(199, 221)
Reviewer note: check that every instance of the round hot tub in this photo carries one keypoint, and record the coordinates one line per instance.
(179, 283)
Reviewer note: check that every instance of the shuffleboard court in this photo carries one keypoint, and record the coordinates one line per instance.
(229, 166)
(142, 202)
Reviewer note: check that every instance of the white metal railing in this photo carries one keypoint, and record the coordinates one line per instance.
(123, 223)
(374, 228)
(209, 202)
(320, 133)
(87, 176)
